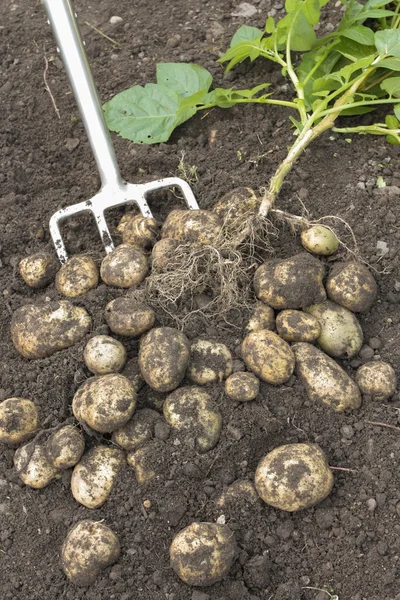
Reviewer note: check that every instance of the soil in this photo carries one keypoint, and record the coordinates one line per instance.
(349, 544)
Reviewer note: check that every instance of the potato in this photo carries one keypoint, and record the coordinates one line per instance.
(105, 403)
(124, 267)
(319, 240)
(341, 334)
(376, 379)
(192, 226)
(234, 206)
(242, 387)
(33, 466)
(103, 354)
(163, 358)
(65, 447)
(294, 477)
(351, 285)
(41, 330)
(210, 362)
(77, 276)
(268, 356)
(203, 553)
(90, 547)
(294, 282)
(137, 431)
(163, 254)
(296, 326)
(140, 231)
(132, 372)
(240, 492)
(126, 317)
(19, 420)
(191, 409)
(147, 461)
(325, 381)
(38, 270)
(262, 317)
(94, 476)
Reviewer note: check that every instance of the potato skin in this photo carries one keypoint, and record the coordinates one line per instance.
(33, 466)
(262, 317)
(192, 226)
(19, 420)
(77, 276)
(103, 354)
(297, 326)
(163, 358)
(242, 387)
(268, 356)
(235, 205)
(325, 381)
(294, 477)
(319, 240)
(65, 447)
(210, 362)
(145, 461)
(351, 285)
(124, 267)
(138, 430)
(163, 253)
(126, 317)
(376, 379)
(38, 270)
(241, 491)
(140, 231)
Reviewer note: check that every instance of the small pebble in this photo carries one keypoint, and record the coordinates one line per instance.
(375, 343)
(115, 20)
(371, 504)
(366, 352)
(347, 431)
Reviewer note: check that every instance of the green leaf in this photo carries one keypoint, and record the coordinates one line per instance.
(270, 25)
(357, 110)
(391, 63)
(241, 52)
(395, 141)
(302, 32)
(360, 34)
(391, 122)
(378, 13)
(392, 86)
(396, 110)
(362, 63)
(185, 79)
(245, 33)
(353, 50)
(387, 41)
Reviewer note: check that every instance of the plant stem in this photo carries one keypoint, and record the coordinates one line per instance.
(292, 73)
(261, 100)
(335, 109)
(377, 129)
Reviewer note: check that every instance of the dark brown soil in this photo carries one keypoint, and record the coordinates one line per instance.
(349, 544)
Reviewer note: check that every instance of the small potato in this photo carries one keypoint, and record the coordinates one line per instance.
(105, 403)
(294, 477)
(77, 276)
(124, 267)
(94, 476)
(191, 409)
(103, 354)
(325, 381)
(210, 362)
(242, 387)
(163, 254)
(192, 226)
(140, 231)
(319, 240)
(268, 356)
(296, 326)
(90, 547)
(351, 285)
(126, 317)
(203, 553)
(19, 420)
(262, 317)
(240, 492)
(33, 466)
(137, 431)
(41, 330)
(294, 282)
(65, 447)
(38, 270)
(376, 379)
(163, 358)
(147, 461)
(235, 206)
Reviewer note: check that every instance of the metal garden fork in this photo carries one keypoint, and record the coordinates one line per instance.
(114, 190)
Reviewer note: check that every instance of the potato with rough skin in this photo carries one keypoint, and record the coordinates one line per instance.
(192, 226)
(294, 477)
(163, 358)
(77, 276)
(203, 553)
(132, 372)
(262, 317)
(65, 447)
(124, 267)
(137, 431)
(241, 492)
(140, 231)
(376, 379)
(319, 240)
(242, 387)
(103, 354)
(19, 420)
(297, 326)
(163, 255)
(90, 547)
(210, 362)
(147, 461)
(324, 380)
(126, 317)
(268, 356)
(38, 270)
(33, 466)
(41, 330)
(235, 206)
(351, 285)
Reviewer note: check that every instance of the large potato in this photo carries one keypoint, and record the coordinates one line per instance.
(77, 276)
(242, 387)
(65, 447)
(103, 354)
(297, 326)
(38, 270)
(268, 356)
(126, 317)
(294, 282)
(262, 317)
(325, 381)
(124, 267)
(19, 420)
(376, 379)
(210, 362)
(235, 205)
(294, 477)
(140, 231)
(351, 285)
(319, 240)
(137, 431)
(192, 226)
(33, 466)
(163, 358)
(41, 330)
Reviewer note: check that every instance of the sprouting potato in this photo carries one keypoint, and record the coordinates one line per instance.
(94, 476)
(38, 270)
(235, 205)
(262, 317)
(210, 362)
(294, 477)
(297, 326)
(163, 358)
(351, 285)
(240, 492)
(18, 420)
(268, 356)
(140, 231)
(124, 267)
(319, 240)
(65, 447)
(324, 380)
(376, 379)
(137, 431)
(38, 331)
(203, 553)
(242, 387)
(126, 317)
(105, 403)
(77, 276)
(163, 253)
(33, 466)
(192, 226)
(103, 354)
(146, 461)
(90, 547)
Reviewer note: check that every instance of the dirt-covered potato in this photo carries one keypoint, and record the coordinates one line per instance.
(132, 372)
(163, 253)
(147, 461)
(103, 354)
(262, 317)
(324, 380)
(268, 356)
(94, 476)
(65, 447)
(124, 267)
(297, 326)
(376, 379)
(239, 492)
(140, 231)
(203, 553)
(77, 276)
(126, 317)
(105, 403)
(38, 270)
(319, 240)
(294, 477)
(41, 330)
(235, 205)
(33, 466)
(242, 387)
(19, 420)
(351, 285)
(137, 431)
(192, 226)
(210, 362)
(90, 547)
(294, 282)
(191, 409)
(341, 334)
(163, 358)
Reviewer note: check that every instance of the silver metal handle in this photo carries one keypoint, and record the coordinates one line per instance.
(62, 19)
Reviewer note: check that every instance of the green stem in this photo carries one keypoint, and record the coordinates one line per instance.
(319, 62)
(292, 73)
(377, 129)
(261, 100)
(336, 109)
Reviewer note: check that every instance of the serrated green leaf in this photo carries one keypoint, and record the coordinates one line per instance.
(387, 41)
(396, 110)
(391, 122)
(360, 34)
(245, 33)
(185, 79)
(392, 86)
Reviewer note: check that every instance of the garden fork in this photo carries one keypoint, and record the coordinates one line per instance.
(114, 190)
